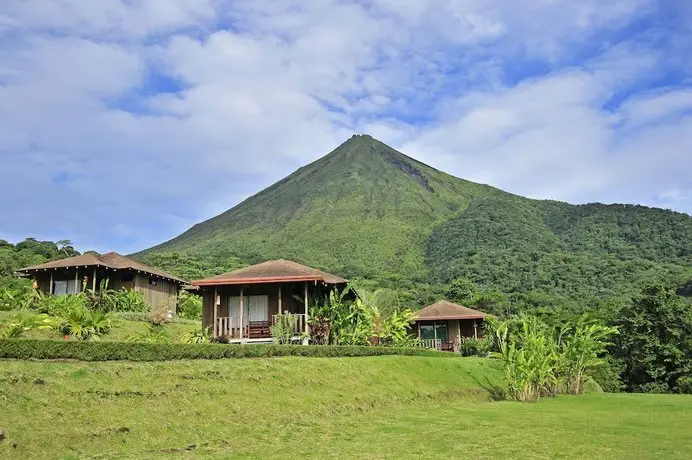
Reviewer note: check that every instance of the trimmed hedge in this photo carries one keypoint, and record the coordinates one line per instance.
(116, 351)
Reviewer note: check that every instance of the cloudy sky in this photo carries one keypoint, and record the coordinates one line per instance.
(124, 122)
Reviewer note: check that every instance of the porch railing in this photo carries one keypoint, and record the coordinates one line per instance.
(435, 344)
(231, 326)
(299, 324)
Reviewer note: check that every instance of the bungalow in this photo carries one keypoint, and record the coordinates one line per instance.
(242, 305)
(443, 324)
(67, 276)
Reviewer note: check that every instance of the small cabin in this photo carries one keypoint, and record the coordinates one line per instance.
(242, 306)
(443, 325)
(87, 271)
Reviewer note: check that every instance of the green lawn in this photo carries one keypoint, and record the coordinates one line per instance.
(374, 407)
(121, 330)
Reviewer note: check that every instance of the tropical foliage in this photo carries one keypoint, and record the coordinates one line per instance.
(189, 306)
(155, 333)
(202, 335)
(544, 361)
(25, 321)
(284, 328)
(83, 323)
(360, 317)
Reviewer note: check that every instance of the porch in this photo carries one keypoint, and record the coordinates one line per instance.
(240, 328)
(241, 313)
(446, 335)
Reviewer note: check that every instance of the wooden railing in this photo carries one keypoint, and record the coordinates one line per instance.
(230, 326)
(299, 324)
(431, 343)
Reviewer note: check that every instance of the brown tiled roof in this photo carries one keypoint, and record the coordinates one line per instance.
(448, 310)
(272, 271)
(111, 260)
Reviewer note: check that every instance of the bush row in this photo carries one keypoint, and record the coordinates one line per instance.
(114, 351)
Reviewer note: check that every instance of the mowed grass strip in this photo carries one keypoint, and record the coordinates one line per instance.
(295, 407)
(134, 409)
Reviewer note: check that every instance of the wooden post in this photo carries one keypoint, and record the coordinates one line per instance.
(93, 282)
(418, 323)
(50, 285)
(280, 308)
(475, 330)
(459, 330)
(216, 315)
(242, 307)
(307, 313)
(76, 280)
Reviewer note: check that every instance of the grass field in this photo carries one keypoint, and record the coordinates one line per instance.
(375, 407)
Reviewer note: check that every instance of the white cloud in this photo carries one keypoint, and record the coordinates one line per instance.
(125, 122)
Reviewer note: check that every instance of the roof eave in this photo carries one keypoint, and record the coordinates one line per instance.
(258, 280)
(442, 318)
(28, 270)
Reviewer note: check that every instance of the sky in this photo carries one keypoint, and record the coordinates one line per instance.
(125, 122)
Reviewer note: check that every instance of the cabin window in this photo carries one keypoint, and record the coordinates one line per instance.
(255, 307)
(152, 281)
(62, 287)
(435, 330)
(127, 277)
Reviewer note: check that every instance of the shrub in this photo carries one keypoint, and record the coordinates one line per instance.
(59, 305)
(110, 351)
(608, 375)
(189, 306)
(84, 324)
(283, 330)
(685, 385)
(125, 300)
(476, 347)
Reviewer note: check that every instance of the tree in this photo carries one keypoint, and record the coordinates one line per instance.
(493, 302)
(461, 290)
(655, 340)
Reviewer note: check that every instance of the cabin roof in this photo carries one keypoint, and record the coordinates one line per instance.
(272, 271)
(445, 309)
(111, 260)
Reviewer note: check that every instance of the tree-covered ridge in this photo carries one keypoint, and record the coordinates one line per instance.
(580, 252)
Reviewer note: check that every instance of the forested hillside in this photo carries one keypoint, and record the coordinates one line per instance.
(580, 252)
(366, 211)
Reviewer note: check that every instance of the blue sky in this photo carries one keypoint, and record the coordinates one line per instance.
(125, 122)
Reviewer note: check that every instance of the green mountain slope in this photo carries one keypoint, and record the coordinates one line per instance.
(366, 210)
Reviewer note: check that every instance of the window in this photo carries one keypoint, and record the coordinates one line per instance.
(59, 287)
(255, 307)
(127, 277)
(427, 331)
(62, 287)
(152, 281)
(434, 330)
